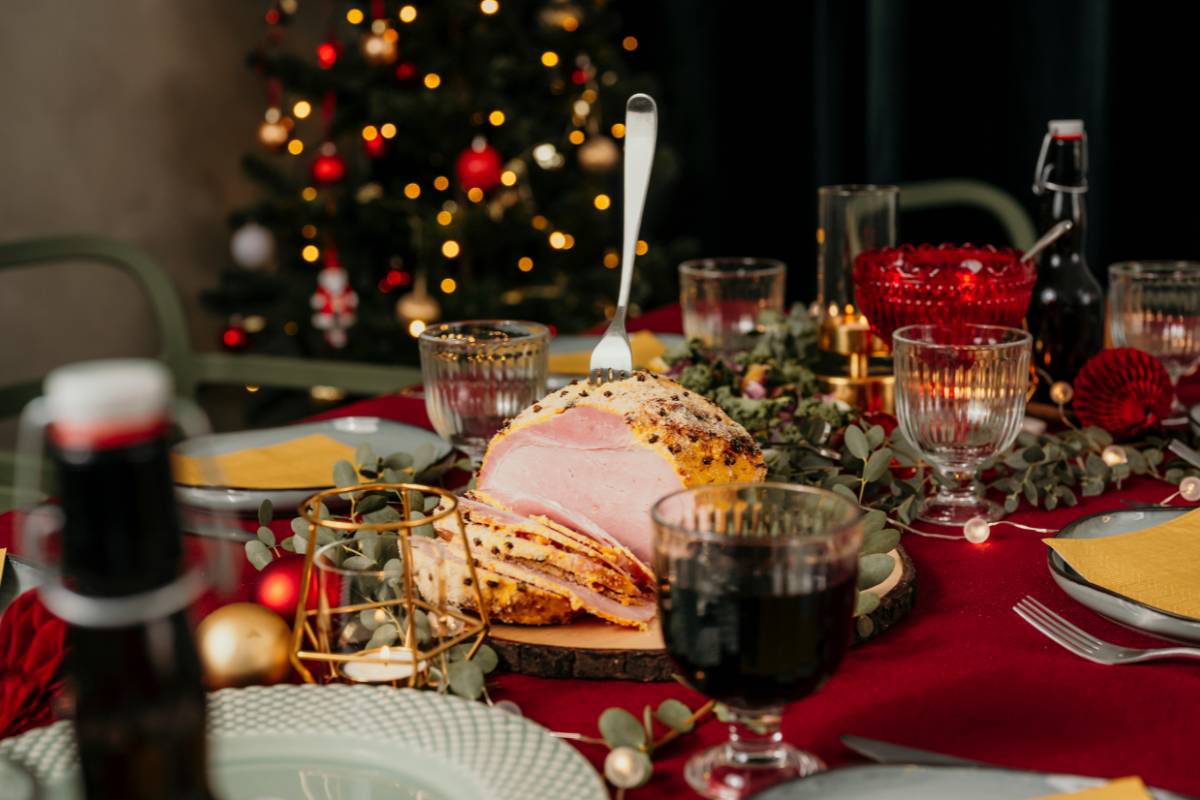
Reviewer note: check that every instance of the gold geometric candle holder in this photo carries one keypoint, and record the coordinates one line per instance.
(368, 623)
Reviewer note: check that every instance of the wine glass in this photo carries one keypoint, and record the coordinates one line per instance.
(756, 590)
(1155, 306)
(480, 373)
(960, 399)
(722, 299)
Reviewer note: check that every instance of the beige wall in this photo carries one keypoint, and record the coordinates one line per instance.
(125, 118)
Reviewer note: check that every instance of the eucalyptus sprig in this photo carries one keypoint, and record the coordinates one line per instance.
(633, 742)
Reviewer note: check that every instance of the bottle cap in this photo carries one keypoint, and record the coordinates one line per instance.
(92, 403)
(1066, 128)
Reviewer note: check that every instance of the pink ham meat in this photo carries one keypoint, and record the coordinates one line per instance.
(595, 459)
(439, 554)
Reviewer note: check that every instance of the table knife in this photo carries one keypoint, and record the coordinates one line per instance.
(888, 753)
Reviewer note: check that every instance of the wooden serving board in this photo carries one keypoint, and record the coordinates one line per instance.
(593, 649)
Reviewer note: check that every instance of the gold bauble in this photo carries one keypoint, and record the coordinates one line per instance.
(243, 644)
(379, 48)
(273, 135)
(599, 154)
(418, 304)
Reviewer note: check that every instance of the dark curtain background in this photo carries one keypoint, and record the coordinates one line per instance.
(766, 101)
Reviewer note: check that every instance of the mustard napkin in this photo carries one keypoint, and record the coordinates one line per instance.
(1158, 566)
(645, 345)
(1122, 789)
(301, 463)
(3, 554)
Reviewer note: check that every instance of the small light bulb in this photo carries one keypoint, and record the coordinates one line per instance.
(977, 530)
(626, 767)
(1061, 392)
(1189, 488)
(1113, 455)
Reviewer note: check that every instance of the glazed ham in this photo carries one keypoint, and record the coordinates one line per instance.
(595, 459)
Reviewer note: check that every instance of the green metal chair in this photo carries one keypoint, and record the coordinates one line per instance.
(191, 369)
(957, 193)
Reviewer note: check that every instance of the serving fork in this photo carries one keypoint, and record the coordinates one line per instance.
(1084, 644)
(612, 358)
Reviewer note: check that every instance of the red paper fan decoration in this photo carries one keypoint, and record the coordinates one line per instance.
(1126, 392)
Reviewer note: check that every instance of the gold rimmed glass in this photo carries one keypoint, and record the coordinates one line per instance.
(478, 374)
(756, 590)
(960, 400)
(1155, 306)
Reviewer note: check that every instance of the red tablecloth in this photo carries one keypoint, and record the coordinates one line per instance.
(962, 674)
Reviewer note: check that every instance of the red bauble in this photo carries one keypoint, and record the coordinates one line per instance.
(235, 338)
(1124, 391)
(278, 586)
(328, 167)
(406, 71)
(327, 54)
(479, 167)
(375, 147)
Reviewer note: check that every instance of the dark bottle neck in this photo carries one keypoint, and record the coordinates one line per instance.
(1064, 181)
(122, 533)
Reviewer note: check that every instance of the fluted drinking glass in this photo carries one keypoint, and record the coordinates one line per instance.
(756, 589)
(480, 373)
(1155, 306)
(960, 400)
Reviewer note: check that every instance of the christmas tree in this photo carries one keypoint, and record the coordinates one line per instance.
(447, 160)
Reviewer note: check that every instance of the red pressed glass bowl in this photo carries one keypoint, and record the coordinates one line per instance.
(945, 284)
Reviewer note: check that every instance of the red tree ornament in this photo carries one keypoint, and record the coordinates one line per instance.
(479, 167)
(328, 167)
(327, 53)
(234, 338)
(1126, 392)
(375, 146)
(278, 586)
(406, 71)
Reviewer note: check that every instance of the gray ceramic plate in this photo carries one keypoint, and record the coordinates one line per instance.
(879, 782)
(1117, 607)
(561, 345)
(360, 742)
(383, 435)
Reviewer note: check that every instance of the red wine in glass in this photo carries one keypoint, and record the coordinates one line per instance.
(757, 586)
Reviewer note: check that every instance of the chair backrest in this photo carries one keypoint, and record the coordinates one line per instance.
(992, 200)
(164, 301)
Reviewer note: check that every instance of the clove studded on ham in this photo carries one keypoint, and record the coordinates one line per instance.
(595, 459)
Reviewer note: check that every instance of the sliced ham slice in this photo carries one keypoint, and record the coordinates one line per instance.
(636, 613)
(595, 459)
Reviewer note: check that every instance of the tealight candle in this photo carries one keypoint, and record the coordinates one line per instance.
(386, 665)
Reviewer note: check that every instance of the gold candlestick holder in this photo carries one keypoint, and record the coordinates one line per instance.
(340, 633)
(852, 375)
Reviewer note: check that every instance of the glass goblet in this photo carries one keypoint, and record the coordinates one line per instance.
(722, 299)
(480, 373)
(756, 590)
(1155, 306)
(960, 399)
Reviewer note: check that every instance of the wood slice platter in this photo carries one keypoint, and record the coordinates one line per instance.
(597, 650)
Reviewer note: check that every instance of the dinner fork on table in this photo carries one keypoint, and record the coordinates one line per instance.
(612, 358)
(1084, 644)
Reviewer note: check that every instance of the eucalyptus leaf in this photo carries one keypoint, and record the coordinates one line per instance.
(420, 530)
(466, 679)
(266, 536)
(384, 636)
(431, 502)
(845, 492)
(487, 659)
(874, 520)
(880, 541)
(364, 454)
(300, 526)
(877, 465)
(372, 618)
(675, 715)
(422, 457)
(874, 569)
(394, 568)
(358, 563)
(371, 502)
(1011, 503)
(856, 443)
(1031, 494)
(465, 464)
(382, 515)
(1033, 455)
(266, 512)
(288, 544)
(619, 728)
(865, 603)
(344, 475)
(258, 554)
(398, 461)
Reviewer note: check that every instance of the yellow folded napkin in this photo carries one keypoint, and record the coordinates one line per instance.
(645, 345)
(1158, 566)
(301, 463)
(3, 553)
(1122, 789)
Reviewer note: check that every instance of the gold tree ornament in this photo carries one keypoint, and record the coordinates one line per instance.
(243, 644)
(361, 616)
(599, 154)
